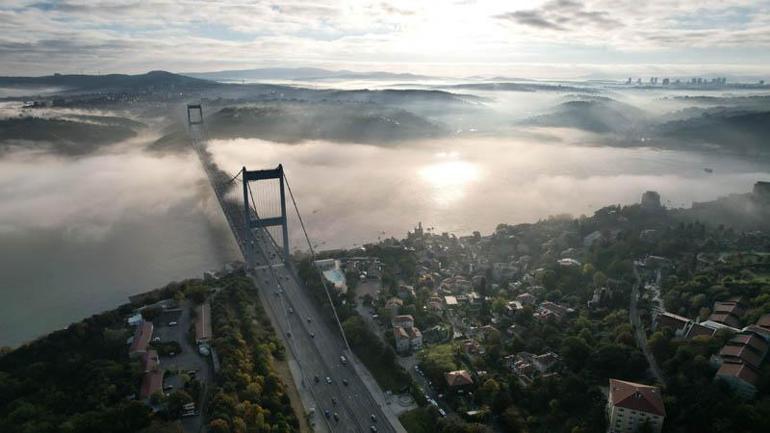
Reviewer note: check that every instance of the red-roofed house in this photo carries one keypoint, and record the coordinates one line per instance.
(150, 361)
(458, 378)
(142, 337)
(152, 382)
(630, 405)
(728, 312)
(764, 322)
(741, 378)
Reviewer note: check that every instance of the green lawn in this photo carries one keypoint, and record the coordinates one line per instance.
(417, 421)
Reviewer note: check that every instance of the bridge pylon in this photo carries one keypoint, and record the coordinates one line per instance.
(256, 221)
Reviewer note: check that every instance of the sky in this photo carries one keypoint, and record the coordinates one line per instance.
(537, 39)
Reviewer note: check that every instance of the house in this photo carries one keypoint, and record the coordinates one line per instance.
(512, 307)
(630, 405)
(741, 378)
(746, 349)
(450, 301)
(569, 263)
(679, 324)
(458, 378)
(697, 329)
(152, 380)
(552, 311)
(407, 336)
(405, 291)
(716, 326)
(545, 362)
(402, 339)
(471, 346)
(150, 361)
(142, 337)
(591, 238)
(415, 338)
(135, 320)
(764, 321)
(203, 323)
(394, 306)
(526, 299)
(728, 312)
(403, 321)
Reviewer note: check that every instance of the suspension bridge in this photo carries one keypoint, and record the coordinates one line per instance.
(341, 392)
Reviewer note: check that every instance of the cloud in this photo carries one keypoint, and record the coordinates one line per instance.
(38, 37)
(562, 15)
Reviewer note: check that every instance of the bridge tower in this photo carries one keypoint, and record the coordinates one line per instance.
(194, 120)
(255, 221)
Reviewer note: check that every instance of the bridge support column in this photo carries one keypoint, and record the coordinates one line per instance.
(252, 219)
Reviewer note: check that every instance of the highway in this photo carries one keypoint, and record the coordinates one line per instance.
(314, 345)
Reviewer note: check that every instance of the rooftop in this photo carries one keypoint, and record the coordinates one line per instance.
(458, 378)
(636, 396)
(738, 370)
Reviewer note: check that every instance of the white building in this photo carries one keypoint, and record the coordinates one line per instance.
(332, 272)
(630, 405)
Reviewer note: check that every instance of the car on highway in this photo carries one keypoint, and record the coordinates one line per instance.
(328, 380)
(442, 412)
(288, 334)
(373, 417)
(316, 379)
(373, 429)
(172, 323)
(327, 414)
(312, 335)
(336, 417)
(345, 382)
(309, 319)
(343, 360)
(334, 401)
(291, 310)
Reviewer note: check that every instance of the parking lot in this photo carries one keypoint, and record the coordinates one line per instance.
(174, 325)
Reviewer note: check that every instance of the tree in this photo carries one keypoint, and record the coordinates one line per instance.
(488, 391)
(219, 426)
(176, 402)
(575, 352)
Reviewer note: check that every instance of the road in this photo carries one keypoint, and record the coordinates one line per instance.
(639, 332)
(316, 348)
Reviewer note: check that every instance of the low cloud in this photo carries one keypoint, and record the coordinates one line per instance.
(562, 15)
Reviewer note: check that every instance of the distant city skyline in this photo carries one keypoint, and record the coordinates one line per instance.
(537, 39)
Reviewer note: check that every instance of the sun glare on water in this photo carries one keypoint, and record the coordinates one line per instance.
(449, 178)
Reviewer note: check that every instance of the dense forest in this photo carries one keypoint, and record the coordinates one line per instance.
(78, 379)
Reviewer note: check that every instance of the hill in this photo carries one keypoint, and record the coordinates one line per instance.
(151, 81)
(306, 74)
(732, 130)
(65, 135)
(594, 114)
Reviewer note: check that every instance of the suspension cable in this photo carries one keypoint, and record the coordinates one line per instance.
(313, 258)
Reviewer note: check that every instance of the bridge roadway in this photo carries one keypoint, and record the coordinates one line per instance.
(316, 346)
(313, 344)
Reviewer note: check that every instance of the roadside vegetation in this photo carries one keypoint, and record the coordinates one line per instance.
(249, 395)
